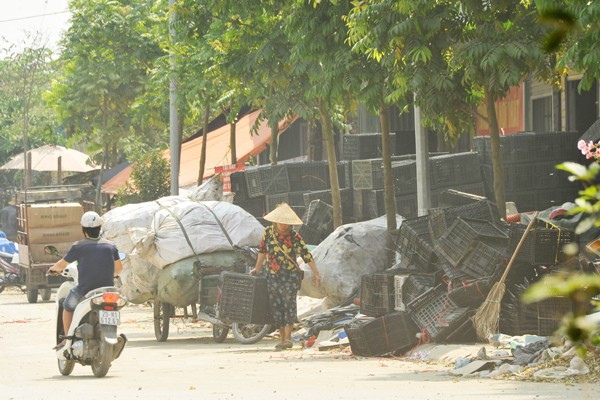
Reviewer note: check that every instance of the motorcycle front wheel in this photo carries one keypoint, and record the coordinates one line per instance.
(249, 333)
(66, 367)
(103, 357)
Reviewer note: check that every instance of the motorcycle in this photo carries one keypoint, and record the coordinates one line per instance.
(92, 338)
(10, 274)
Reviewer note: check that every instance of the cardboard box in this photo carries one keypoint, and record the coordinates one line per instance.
(61, 234)
(53, 215)
(34, 254)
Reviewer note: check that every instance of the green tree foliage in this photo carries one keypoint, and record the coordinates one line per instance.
(150, 179)
(107, 53)
(25, 120)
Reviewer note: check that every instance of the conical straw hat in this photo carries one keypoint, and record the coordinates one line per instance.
(283, 214)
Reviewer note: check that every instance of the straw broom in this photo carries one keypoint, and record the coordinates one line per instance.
(487, 316)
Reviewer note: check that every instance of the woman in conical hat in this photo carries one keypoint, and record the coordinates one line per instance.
(281, 245)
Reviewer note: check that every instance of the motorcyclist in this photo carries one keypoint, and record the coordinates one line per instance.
(97, 264)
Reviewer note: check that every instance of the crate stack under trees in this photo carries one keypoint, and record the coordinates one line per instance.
(531, 179)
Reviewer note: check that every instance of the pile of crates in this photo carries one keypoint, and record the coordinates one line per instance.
(449, 261)
(531, 179)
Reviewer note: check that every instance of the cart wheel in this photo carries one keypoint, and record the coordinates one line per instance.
(220, 333)
(46, 293)
(162, 315)
(249, 333)
(32, 295)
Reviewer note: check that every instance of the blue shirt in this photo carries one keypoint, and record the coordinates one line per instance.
(95, 263)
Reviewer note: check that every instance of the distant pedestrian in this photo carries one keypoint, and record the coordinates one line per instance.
(282, 245)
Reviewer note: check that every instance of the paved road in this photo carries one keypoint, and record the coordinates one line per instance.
(191, 366)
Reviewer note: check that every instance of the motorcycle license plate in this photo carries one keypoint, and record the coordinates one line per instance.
(109, 317)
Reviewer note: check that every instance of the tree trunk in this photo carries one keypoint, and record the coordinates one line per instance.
(390, 200)
(232, 127)
(315, 141)
(497, 162)
(203, 149)
(332, 161)
(274, 142)
(99, 206)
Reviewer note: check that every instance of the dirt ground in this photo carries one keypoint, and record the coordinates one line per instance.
(190, 365)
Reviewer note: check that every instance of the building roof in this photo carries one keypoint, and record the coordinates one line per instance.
(218, 151)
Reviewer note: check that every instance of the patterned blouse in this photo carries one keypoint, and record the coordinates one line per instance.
(276, 246)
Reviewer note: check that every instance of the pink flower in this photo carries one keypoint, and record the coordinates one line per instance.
(581, 145)
(588, 156)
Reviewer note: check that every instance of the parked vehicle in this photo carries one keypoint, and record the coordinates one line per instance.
(92, 338)
(46, 215)
(10, 275)
(208, 307)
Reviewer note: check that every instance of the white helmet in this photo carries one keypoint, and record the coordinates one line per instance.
(91, 219)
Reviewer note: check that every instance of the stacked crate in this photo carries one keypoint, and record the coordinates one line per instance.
(365, 146)
(531, 179)
(244, 299)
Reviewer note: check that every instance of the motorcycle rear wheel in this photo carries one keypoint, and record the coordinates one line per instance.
(46, 293)
(220, 333)
(103, 357)
(249, 333)
(66, 367)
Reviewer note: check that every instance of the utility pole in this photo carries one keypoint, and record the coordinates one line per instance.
(173, 115)
(422, 153)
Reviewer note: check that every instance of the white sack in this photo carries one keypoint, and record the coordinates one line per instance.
(138, 279)
(210, 190)
(351, 251)
(118, 221)
(166, 242)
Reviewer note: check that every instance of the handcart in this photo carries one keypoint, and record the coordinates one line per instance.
(227, 311)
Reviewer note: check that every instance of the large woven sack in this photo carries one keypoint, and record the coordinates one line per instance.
(178, 283)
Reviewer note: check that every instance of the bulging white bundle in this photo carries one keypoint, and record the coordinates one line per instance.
(138, 279)
(190, 228)
(118, 221)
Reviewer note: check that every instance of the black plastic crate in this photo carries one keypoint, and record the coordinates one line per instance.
(438, 316)
(319, 215)
(375, 206)
(377, 294)
(556, 146)
(414, 243)
(407, 206)
(310, 235)
(454, 169)
(274, 179)
(325, 196)
(415, 286)
(238, 185)
(464, 234)
(405, 177)
(255, 206)
(254, 182)
(272, 200)
(462, 196)
(525, 200)
(542, 245)
(313, 175)
(469, 293)
(390, 333)
(344, 170)
(244, 299)
(483, 261)
(365, 145)
(209, 289)
(554, 308)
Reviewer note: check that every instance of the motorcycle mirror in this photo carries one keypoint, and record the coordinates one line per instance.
(49, 249)
(122, 256)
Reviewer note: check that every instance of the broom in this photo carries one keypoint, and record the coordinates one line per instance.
(487, 316)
